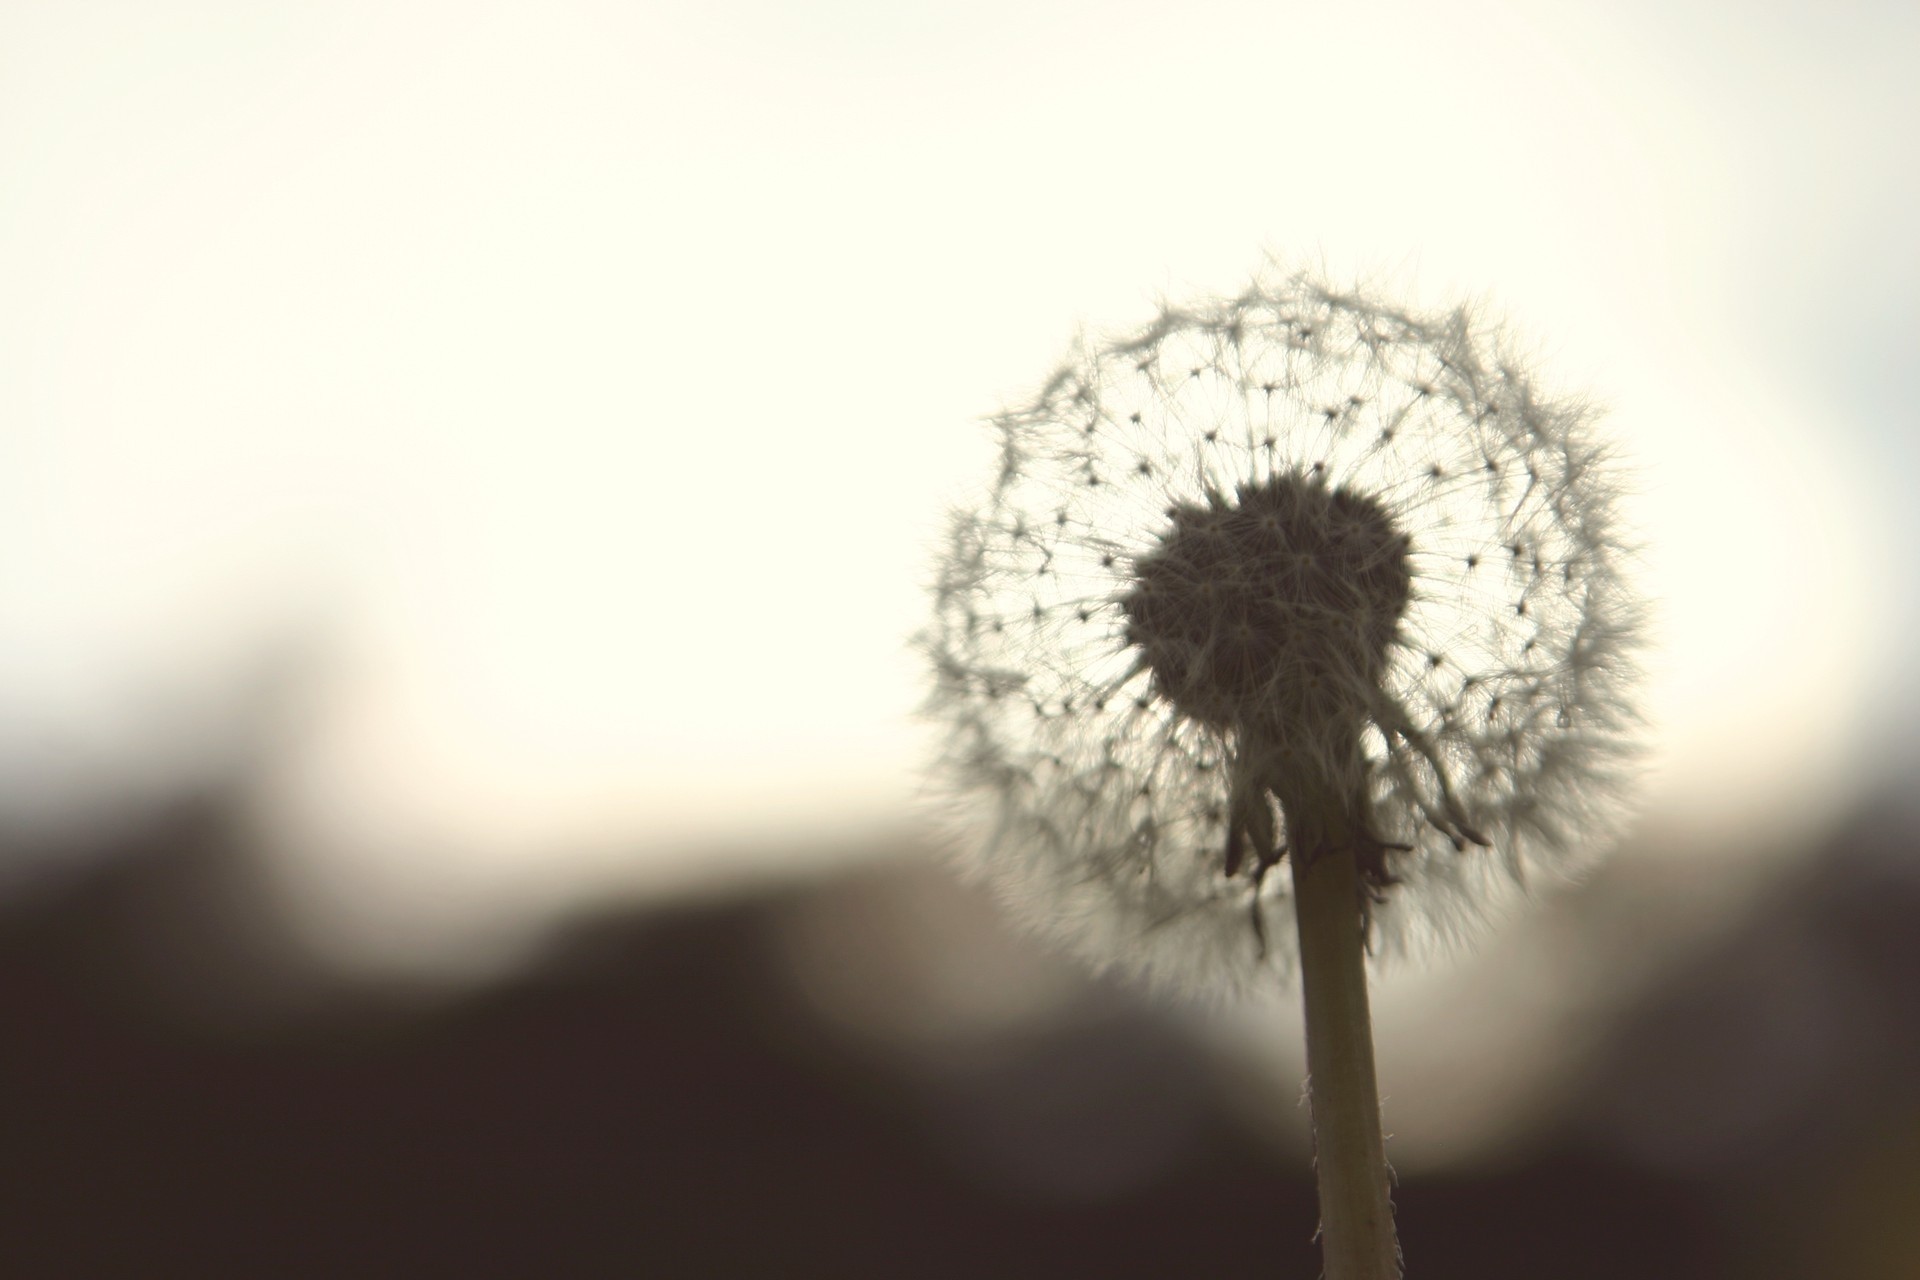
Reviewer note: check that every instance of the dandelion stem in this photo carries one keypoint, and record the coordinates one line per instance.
(1356, 1216)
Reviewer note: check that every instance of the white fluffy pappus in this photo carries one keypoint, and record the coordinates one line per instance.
(1281, 572)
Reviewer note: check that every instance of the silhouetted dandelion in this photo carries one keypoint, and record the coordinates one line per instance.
(1285, 561)
(1285, 576)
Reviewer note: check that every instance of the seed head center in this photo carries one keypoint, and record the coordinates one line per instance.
(1271, 609)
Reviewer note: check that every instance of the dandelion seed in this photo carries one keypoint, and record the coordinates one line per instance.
(1315, 616)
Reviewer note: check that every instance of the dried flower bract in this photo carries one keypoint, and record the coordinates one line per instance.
(1287, 573)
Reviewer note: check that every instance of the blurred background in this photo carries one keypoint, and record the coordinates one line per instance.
(468, 476)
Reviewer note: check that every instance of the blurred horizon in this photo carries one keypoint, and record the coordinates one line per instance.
(883, 1081)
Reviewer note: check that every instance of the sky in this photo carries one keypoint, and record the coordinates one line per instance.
(556, 403)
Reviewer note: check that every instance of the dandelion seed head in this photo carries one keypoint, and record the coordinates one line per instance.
(1284, 568)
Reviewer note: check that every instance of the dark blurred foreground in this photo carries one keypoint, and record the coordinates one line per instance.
(658, 1100)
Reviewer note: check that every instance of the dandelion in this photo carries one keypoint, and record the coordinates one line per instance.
(1292, 577)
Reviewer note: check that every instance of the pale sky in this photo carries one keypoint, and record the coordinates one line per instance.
(575, 389)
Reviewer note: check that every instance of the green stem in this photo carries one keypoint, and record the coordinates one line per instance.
(1356, 1216)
